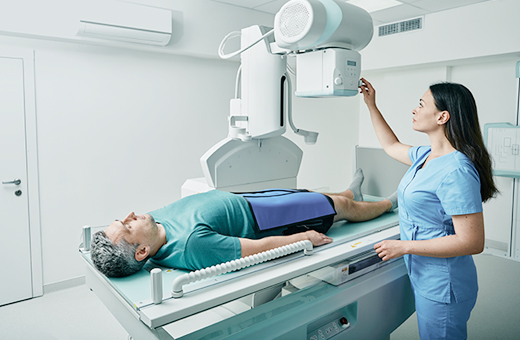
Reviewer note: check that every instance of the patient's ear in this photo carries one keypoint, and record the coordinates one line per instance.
(142, 252)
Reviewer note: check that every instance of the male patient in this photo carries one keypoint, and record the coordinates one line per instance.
(206, 229)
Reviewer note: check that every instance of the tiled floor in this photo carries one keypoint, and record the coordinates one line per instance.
(69, 314)
(77, 313)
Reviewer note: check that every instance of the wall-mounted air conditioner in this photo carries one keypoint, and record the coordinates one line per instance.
(121, 21)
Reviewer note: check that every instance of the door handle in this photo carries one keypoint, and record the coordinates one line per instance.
(15, 182)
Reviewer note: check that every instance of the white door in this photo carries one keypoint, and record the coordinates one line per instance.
(16, 277)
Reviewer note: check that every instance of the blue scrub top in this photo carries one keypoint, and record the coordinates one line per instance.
(428, 197)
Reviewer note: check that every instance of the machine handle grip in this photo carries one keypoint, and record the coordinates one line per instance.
(244, 262)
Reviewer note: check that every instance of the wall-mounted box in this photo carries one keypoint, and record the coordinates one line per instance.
(121, 21)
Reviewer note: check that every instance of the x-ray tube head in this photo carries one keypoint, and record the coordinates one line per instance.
(314, 24)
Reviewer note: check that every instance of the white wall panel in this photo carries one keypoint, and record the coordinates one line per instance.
(485, 29)
(494, 86)
(119, 132)
(327, 165)
(397, 94)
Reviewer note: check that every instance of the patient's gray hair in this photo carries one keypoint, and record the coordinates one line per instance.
(114, 259)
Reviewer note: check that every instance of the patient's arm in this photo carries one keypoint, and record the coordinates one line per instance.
(251, 247)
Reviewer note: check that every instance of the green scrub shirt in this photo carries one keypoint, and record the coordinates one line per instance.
(202, 230)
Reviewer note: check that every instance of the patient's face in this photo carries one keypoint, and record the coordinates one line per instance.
(135, 229)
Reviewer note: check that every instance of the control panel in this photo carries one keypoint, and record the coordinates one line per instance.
(330, 329)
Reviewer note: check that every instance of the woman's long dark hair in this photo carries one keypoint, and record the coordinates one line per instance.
(463, 131)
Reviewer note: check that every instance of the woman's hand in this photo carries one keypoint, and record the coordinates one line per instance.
(390, 249)
(369, 93)
(468, 239)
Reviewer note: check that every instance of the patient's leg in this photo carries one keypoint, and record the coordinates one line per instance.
(354, 211)
(350, 206)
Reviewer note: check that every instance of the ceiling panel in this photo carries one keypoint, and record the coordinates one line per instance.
(409, 9)
(272, 6)
(442, 5)
(245, 3)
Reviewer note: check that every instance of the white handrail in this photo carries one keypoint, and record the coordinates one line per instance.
(244, 262)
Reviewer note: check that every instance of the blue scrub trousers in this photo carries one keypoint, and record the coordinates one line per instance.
(439, 320)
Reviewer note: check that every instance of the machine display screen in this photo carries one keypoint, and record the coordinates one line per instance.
(351, 63)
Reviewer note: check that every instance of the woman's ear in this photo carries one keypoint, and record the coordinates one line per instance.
(142, 252)
(444, 116)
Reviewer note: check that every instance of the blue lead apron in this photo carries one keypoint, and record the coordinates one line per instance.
(295, 210)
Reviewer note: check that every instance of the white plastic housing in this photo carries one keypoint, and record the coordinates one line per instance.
(233, 165)
(328, 72)
(312, 24)
(261, 86)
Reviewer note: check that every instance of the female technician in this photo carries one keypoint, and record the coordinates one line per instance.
(440, 206)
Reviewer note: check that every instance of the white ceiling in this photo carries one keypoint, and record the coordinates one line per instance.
(409, 8)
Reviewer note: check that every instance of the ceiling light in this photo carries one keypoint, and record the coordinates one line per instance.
(374, 5)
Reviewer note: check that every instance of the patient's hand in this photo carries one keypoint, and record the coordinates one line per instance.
(251, 247)
(317, 238)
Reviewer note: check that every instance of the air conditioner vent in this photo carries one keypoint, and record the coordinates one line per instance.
(123, 21)
(400, 27)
